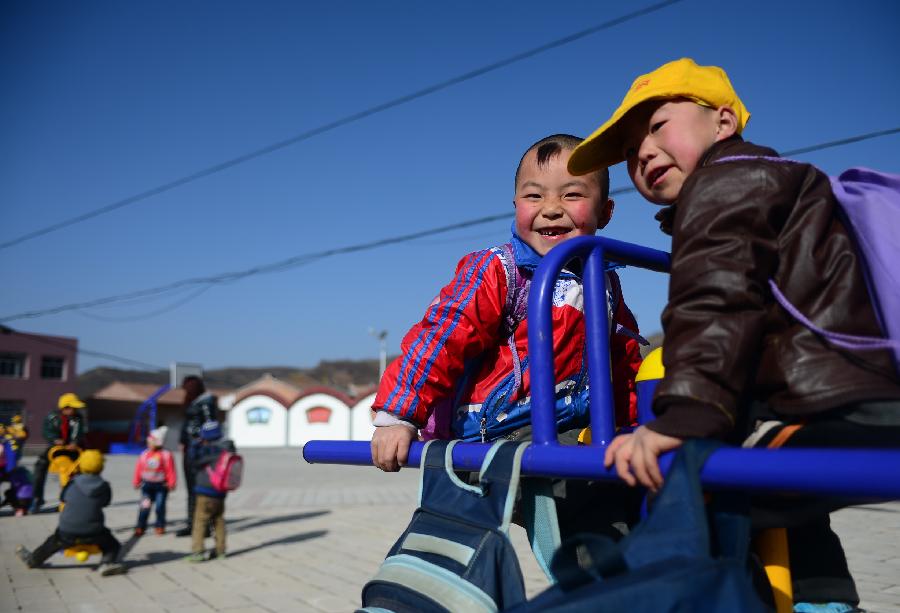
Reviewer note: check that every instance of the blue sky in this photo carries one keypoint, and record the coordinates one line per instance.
(104, 100)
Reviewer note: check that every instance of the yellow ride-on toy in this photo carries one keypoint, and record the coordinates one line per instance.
(64, 463)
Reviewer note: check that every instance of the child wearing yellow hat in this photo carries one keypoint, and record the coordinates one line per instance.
(81, 521)
(738, 365)
(64, 426)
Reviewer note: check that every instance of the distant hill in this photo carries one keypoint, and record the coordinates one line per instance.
(345, 375)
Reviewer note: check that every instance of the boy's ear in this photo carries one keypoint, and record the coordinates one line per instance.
(605, 213)
(726, 123)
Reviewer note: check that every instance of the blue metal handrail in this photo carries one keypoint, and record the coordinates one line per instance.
(858, 474)
(594, 250)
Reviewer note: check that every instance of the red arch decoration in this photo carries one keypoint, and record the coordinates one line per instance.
(318, 415)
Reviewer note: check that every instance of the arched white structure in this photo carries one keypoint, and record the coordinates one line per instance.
(318, 417)
(258, 421)
(361, 428)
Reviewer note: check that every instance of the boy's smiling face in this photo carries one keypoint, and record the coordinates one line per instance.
(664, 141)
(553, 206)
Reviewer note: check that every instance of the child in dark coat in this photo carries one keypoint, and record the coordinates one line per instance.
(81, 521)
(210, 502)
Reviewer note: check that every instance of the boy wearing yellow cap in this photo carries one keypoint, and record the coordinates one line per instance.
(81, 521)
(735, 360)
(65, 426)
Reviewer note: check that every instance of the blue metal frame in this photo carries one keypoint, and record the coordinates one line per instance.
(867, 474)
(148, 405)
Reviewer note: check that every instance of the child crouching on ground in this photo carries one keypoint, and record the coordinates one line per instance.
(81, 521)
(210, 505)
(463, 373)
(154, 475)
(736, 361)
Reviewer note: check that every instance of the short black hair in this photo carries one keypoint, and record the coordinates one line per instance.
(551, 146)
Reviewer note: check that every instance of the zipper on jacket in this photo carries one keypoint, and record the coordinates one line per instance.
(484, 429)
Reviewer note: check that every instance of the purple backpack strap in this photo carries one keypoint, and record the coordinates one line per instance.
(870, 206)
(515, 309)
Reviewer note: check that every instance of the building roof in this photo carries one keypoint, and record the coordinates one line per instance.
(122, 391)
(267, 385)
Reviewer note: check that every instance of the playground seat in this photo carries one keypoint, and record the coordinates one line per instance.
(81, 552)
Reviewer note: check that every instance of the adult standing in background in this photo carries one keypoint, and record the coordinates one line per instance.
(200, 407)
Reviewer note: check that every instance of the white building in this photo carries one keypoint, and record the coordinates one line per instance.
(272, 413)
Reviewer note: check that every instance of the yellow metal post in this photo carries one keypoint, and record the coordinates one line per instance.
(772, 547)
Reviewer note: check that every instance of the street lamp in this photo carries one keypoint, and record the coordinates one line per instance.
(382, 350)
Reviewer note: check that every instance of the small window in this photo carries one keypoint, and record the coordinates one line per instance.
(52, 367)
(259, 415)
(12, 365)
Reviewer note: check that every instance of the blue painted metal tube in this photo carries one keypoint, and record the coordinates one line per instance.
(856, 473)
(603, 419)
(540, 325)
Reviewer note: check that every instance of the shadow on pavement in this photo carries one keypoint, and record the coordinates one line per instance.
(265, 521)
(287, 540)
(154, 557)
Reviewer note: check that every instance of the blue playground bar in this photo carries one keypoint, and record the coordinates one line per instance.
(857, 474)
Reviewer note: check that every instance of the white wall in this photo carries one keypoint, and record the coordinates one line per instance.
(361, 420)
(301, 431)
(246, 434)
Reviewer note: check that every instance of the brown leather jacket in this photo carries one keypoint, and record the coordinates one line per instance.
(727, 341)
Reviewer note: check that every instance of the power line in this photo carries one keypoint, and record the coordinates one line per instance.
(100, 354)
(303, 259)
(810, 149)
(278, 266)
(843, 141)
(374, 110)
(132, 318)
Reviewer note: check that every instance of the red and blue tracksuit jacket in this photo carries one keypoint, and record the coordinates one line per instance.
(458, 361)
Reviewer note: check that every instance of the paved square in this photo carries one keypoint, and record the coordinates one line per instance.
(306, 538)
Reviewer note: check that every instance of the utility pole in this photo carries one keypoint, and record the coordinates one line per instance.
(382, 350)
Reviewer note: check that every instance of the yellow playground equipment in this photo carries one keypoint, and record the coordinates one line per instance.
(64, 463)
(81, 552)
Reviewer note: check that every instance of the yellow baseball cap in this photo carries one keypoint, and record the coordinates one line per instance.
(70, 400)
(706, 85)
(90, 462)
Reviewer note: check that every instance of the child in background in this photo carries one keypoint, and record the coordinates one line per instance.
(735, 360)
(210, 502)
(154, 475)
(81, 521)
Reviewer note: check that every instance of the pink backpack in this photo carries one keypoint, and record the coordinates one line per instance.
(225, 475)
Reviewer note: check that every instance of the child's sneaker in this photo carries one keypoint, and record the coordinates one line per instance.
(24, 554)
(111, 568)
(213, 555)
(195, 557)
(139, 532)
(159, 530)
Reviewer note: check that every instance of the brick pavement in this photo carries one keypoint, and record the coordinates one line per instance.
(306, 538)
